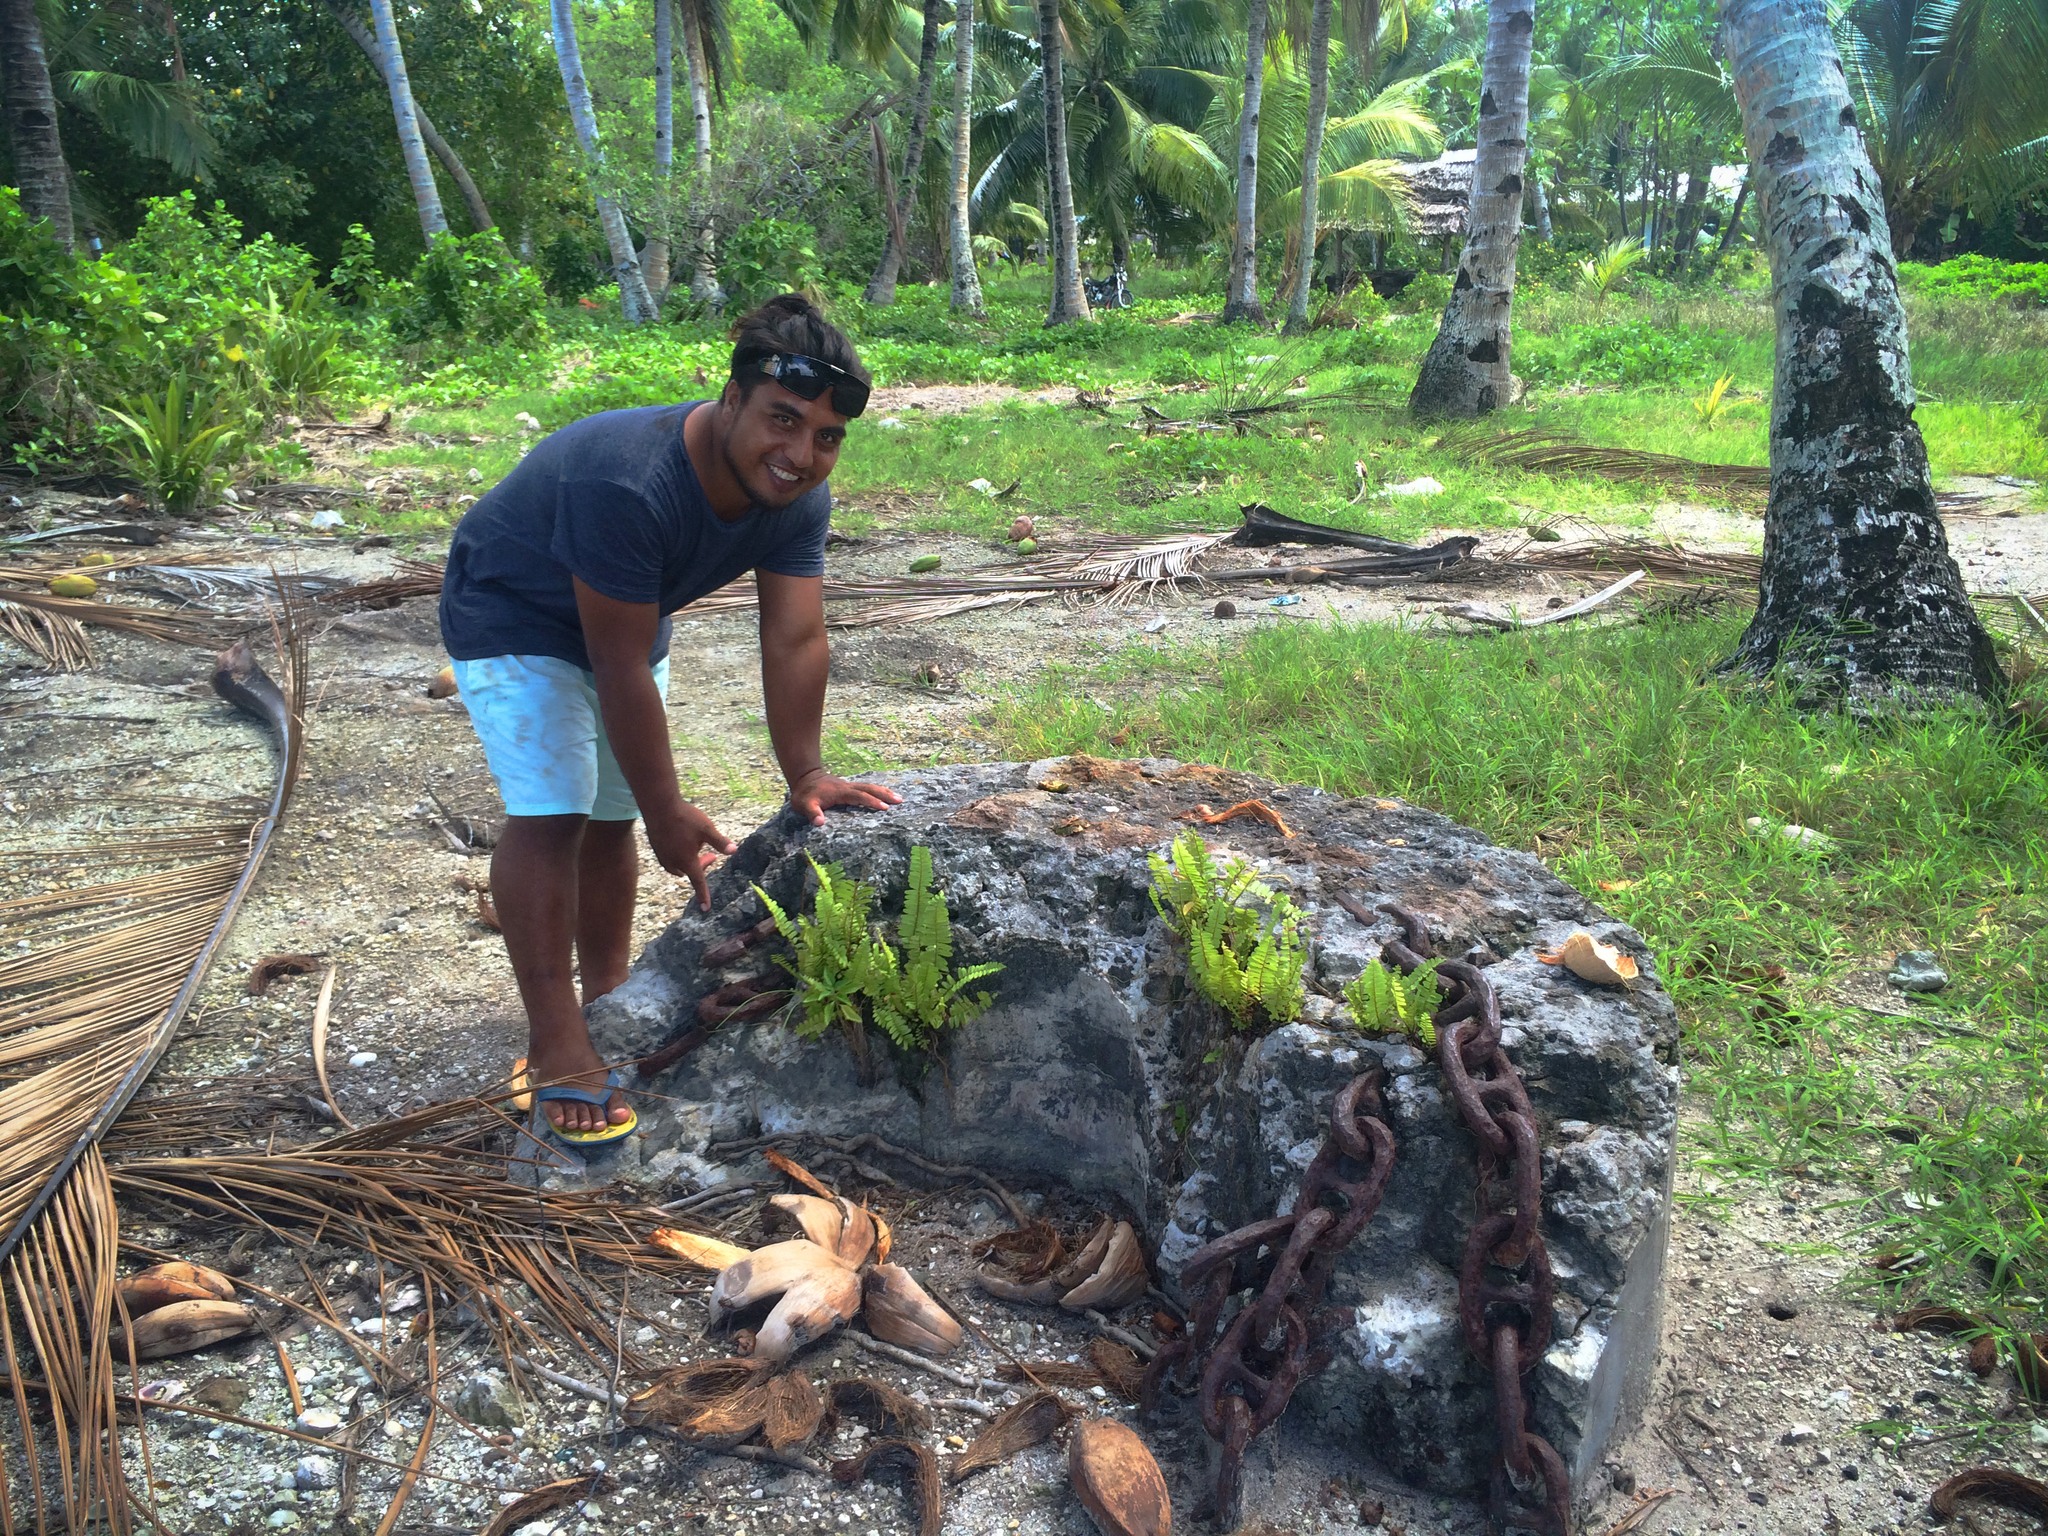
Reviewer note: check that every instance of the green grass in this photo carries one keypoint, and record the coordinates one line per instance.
(1621, 373)
(1619, 757)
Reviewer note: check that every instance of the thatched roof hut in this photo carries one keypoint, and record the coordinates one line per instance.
(1443, 193)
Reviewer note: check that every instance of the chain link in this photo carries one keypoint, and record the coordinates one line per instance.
(1252, 1364)
(1505, 1288)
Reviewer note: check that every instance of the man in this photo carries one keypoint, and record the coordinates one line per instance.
(555, 609)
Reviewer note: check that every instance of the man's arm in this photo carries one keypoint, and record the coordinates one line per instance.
(794, 659)
(619, 637)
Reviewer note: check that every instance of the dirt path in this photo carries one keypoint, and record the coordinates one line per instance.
(1769, 1367)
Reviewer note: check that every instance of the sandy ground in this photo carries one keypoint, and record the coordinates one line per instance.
(1770, 1362)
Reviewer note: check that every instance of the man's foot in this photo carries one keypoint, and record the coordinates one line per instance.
(576, 1068)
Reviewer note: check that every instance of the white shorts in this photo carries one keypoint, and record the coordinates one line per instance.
(537, 717)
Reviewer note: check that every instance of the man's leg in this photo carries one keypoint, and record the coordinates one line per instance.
(534, 883)
(607, 875)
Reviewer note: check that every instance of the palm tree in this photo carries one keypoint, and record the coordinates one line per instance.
(1311, 162)
(881, 287)
(1859, 600)
(654, 255)
(960, 233)
(1466, 372)
(1241, 302)
(1069, 300)
(634, 299)
(707, 45)
(441, 149)
(31, 108)
(426, 196)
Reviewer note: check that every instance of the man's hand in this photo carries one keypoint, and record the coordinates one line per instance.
(815, 793)
(686, 843)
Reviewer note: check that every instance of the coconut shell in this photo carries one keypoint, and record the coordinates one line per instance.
(708, 1253)
(1085, 1262)
(1022, 529)
(1590, 960)
(818, 1303)
(155, 1289)
(1119, 1279)
(768, 1272)
(819, 1219)
(182, 1327)
(1117, 1481)
(443, 686)
(857, 1235)
(898, 1311)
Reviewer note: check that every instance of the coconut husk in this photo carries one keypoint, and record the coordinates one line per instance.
(1019, 1427)
(921, 1471)
(1030, 1253)
(1120, 1368)
(795, 1410)
(1993, 1485)
(880, 1407)
(182, 1327)
(676, 1394)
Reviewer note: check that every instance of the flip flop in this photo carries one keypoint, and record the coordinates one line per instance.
(569, 1093)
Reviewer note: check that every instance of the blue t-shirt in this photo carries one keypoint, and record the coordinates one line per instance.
(611, 498)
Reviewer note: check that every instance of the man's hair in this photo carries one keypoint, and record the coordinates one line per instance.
(788, 323)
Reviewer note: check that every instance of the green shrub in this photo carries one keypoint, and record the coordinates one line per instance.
(2021, 283)
(468, 288)
(179, 446)
(1633, 352)
(766, 257)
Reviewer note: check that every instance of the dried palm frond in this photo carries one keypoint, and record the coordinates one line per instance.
(413, 578)
(1665, 560)
(52, 638)
(1545, 452)
(1119, 560)
(85, 1012)
(150, 623)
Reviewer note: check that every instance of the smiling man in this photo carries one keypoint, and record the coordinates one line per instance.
(555, 611)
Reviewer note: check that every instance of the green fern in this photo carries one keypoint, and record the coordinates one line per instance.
(1244, 939)
(831, 944)
(848, 974)
(1385, 1002)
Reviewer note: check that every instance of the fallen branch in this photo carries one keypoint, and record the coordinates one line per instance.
(852, 1146)
(906, 1357)
(1263, 526)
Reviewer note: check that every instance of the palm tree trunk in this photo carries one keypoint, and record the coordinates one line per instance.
(1069, 301)
(1311, 161)
(1466, 373)
(426, 197)
(1242, 301)
(966, 280)
(439, 147)
(1734, 225)
(634, 299)
(704, 286)
(1539, 208)
(654, 256)
(881, 287)
(1859, 601)
(32, 120)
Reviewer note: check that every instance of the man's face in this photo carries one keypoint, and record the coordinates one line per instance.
(777, 444)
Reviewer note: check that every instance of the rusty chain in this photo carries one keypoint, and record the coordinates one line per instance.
(1506, 1321)
(1252, 1364)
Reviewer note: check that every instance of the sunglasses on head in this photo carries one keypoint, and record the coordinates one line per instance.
(809, 377)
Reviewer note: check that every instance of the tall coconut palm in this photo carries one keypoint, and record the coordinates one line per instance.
(1311, 162)
(31, 108)
(437, 144)
(1242, 301)
(634, 299)
(1466, 372)
(426, 197)
(959, 228)
(881, 287)
(1859, 600)
(654, 255)
(707, 44)
(1069, 299)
